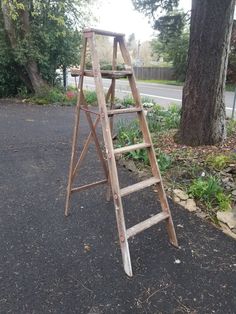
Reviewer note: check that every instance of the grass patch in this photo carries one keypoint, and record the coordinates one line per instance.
(128, 133)
(128, 101)
(90, 97)
(205, 172)
(54, 96)
(218, 162)
(59, 96)
(230, 87)
(160, 119)
(210, 193)
(231, 127)
(164, 160)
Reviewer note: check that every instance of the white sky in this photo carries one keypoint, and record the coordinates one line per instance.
(119, 16)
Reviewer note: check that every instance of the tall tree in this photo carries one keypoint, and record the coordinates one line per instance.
(231, 72)
(203, 109)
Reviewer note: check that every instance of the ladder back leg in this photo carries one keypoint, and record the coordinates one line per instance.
(76, 128)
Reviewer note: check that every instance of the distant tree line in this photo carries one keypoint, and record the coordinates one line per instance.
(172, 44)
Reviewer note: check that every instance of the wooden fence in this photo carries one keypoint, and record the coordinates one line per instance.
(154, 73)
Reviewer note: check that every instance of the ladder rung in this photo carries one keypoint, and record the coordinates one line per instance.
(127, 110)
(130, 148)
(146, 224)
(104, 73)
(87, 186)
(139, 186)
(116, 74)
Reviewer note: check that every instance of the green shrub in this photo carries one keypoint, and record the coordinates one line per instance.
(218, 162)
(154, 119)
(108, 66)
(139, 155)
(231, 127)
(128, 133)
(164, 160)
(172, 118)
(22, 92)
(90, 97)
(161, 119)
(48, 96)
(54, 95)
(223, 200)
(128, 101)
(146, 99)
(209, 191)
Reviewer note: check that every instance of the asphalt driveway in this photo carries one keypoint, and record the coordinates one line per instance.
(53, 264)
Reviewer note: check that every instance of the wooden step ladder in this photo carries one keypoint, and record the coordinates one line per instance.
(105, 117)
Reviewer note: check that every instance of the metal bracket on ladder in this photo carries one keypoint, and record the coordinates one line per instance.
(105, 117)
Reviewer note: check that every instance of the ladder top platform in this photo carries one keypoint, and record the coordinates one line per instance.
(104, 73)
(101, 32)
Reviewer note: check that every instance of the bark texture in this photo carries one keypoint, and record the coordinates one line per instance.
(203, 109)
(31, 75)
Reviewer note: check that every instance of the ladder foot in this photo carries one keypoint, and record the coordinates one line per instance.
(67, 210)
(129, 273)
(128, 269)
(175, 244)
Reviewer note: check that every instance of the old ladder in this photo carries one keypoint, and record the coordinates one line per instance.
(105, 117)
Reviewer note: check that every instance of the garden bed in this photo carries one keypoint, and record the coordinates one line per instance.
(202, 179)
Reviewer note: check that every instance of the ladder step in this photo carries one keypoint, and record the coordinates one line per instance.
(102, 32)
(121, 111)
(106, 74)
(146, 224)
(138, 186)
(130, 148)
(86, 186)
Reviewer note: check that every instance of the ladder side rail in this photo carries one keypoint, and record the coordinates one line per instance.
(76, 127)
(142, 119)
(151, 151)
(95, 138)
(85, 148)
(110, 158)
(113, 80)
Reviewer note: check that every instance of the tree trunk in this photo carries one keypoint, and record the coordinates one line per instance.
(203, 108)
(36, 82)
(64, 77)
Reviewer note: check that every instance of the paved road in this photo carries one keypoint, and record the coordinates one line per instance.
(160, 93)
(53, 264)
